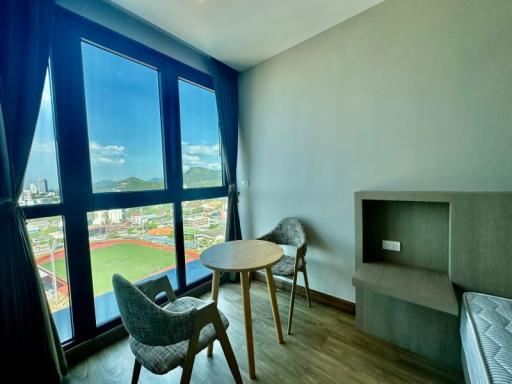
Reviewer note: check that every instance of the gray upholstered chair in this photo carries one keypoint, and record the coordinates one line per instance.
(290, 231)
(163, 338)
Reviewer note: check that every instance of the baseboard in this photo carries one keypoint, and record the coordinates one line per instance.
(319, 297)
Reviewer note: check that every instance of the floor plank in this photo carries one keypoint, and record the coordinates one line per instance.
(325, 347)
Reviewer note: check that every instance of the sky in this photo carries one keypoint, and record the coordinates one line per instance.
(124, 125)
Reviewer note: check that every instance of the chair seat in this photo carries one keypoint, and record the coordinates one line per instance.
(286, 266)
(161, 359)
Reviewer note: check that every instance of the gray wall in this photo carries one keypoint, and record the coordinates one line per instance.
(411, 94)
(129, 25)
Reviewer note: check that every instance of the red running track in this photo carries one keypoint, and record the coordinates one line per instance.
(59, 254)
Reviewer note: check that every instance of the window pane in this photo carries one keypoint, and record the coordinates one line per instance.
(204, 224)
(200, 145)
(47, 239)
(41, 179)
(138, 243)
(124, 124)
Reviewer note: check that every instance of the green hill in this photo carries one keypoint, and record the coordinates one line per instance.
(128, 184)
(195, 177)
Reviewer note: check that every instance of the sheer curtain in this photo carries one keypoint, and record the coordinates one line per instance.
(30, 344)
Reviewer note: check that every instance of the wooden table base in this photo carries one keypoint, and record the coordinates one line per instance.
(246, 300)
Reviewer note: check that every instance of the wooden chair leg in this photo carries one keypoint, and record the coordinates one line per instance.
(292, 303)
(136, 372)
(190, 358)
(228, 351)
(306, 283)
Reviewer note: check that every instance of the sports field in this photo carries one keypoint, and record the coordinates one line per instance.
(135, 260)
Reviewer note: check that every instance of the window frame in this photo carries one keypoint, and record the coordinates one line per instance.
(76, 195)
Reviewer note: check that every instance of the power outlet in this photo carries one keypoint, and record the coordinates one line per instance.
(390, 245)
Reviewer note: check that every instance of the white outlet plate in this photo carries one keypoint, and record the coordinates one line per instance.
(390, 245)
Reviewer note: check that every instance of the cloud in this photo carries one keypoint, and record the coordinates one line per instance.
(43, 147)
(204, 150)
(197, 161)
(107, 154)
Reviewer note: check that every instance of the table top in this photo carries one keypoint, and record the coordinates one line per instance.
(241, 256)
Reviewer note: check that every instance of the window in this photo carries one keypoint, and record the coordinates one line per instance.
(135, 242)
(200, 140)
(119, 124)
(123, 119)
(204, 224)
(47, 240)
(41, 178)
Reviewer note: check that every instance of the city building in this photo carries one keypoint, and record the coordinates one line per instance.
(33, 187)
(115, 216)
(195, 221)
(42, 185)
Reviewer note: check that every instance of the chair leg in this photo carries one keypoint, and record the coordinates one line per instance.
(228, 351)
(292, 303)
(136, 372)
(190, 358)
(306, 283)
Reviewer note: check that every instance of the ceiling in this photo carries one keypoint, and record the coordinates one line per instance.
(242, 33)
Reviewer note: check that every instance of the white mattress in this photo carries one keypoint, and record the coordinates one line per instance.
(486, 332)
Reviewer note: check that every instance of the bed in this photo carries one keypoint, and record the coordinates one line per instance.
(486, 335)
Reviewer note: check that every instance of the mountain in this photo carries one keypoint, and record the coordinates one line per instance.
(197, 177)
(128, 184)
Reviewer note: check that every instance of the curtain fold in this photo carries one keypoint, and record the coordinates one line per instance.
(225, 81)
(29, 338)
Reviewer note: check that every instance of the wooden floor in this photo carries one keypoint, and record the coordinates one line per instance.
(325, 348)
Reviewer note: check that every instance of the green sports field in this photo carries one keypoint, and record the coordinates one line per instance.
(133, 261)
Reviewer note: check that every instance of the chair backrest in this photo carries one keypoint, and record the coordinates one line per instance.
(147, 322)
(290, 231)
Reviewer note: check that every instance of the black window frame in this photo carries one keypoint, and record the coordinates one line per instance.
(76, 195)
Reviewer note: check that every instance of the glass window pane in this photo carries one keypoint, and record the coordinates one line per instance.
(138, 243)
(47, 239)
(200, 145)
(204, 224)
(41, 178)
(124, 122)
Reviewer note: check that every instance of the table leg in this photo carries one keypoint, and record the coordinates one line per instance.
(246, 299)
(215, 296)
(275, 308)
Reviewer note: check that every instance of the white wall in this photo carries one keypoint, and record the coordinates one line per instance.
(407, 95)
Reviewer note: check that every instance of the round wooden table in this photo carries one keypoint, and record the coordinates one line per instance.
(245, 256)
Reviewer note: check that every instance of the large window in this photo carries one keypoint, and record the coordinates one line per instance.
(123, 119)
(41, 179)
(204, 224)
(200, 140)
(135, 242)
(47, 240)
(125, 174)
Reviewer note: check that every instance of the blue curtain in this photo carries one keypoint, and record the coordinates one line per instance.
(225, 81)
(30, 345)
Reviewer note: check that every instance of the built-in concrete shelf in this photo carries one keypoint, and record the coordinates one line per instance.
(449, 242)
(425, 287)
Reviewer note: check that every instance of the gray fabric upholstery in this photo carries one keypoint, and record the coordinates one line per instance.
(161, 359)
(289, 231)
(286, 266)
(147, 322)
